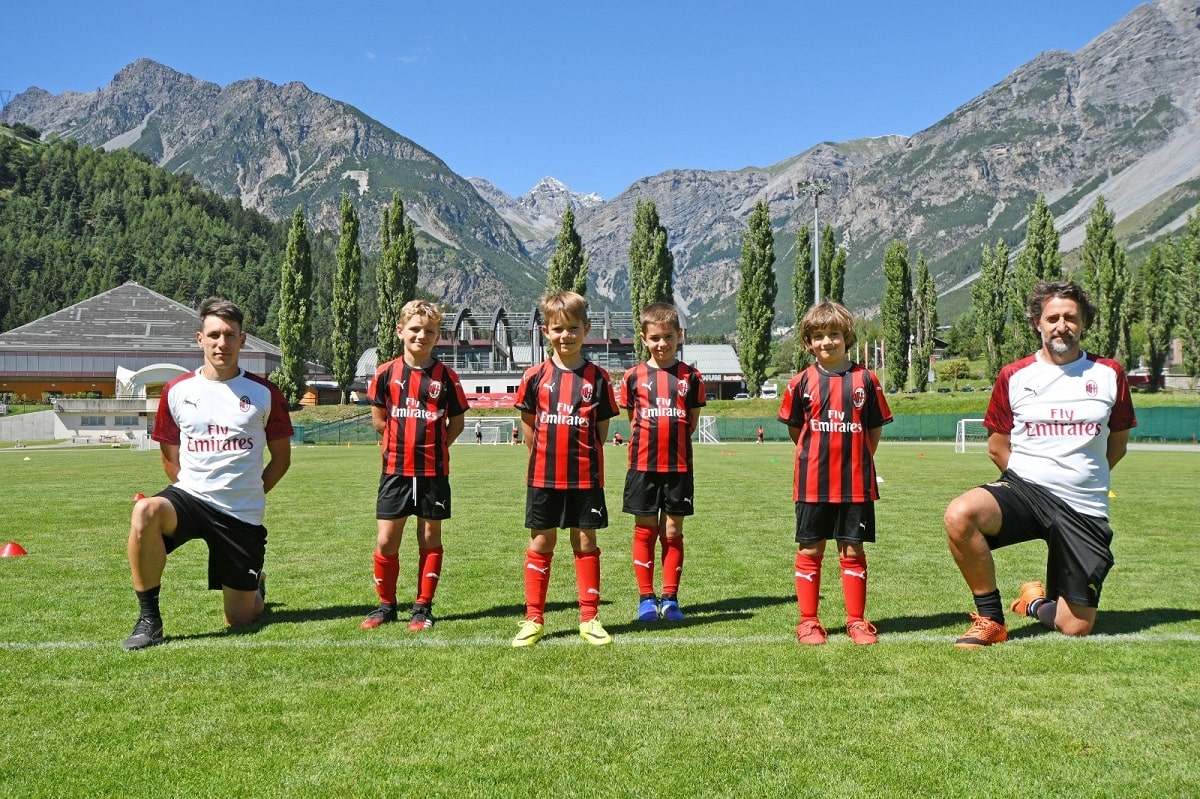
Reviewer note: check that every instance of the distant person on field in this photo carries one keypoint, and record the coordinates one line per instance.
(617, 440)
(758, 435)
(663, 397)
(565, 404)
(835, 411)
(478, 432)
(516, 436)
(1058, 422)
(215, 427)
(417, 404)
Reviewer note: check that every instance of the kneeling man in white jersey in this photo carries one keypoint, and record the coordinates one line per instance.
(214, 427)
(1058, 422)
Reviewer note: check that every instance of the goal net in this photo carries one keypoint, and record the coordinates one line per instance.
(708, 430)
(970, 435)
(492, 430)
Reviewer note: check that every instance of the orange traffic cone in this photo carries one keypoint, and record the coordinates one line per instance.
(12, 549)
(138, 495)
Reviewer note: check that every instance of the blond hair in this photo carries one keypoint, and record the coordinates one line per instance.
(827, 316)
(424, 308)
(563, 305)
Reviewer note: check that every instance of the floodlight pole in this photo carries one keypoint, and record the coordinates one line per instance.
(815, 188)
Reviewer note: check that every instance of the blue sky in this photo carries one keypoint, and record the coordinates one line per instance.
(597, 94)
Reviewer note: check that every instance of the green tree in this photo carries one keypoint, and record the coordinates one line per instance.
(395, 276)
(1106, 277)
(925, 320)
(756, 297)
(651, 266)
(1159, 308)
(827, 253)
(988, 301)
(345, 300)
(837, 277)
(895, 312)
(1038, 260)
(1189, 296)
(295, 309)
(802, 293)
(569, 264)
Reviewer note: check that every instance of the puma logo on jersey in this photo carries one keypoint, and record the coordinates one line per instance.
(400, 383)
(548, 386)
(189, 402)
(862, 575)
(810, 576)
(647, 386)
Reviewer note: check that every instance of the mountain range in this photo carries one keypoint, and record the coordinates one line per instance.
(1119, 118)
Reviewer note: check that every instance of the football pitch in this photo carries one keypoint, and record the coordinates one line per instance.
(724, 704)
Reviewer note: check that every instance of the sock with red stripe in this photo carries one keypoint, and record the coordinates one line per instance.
(854, 585)
(808, 584)
(644, 539)
(672, 564)
(587, 581)
(537, 581)
(429, 571)
(387, 571)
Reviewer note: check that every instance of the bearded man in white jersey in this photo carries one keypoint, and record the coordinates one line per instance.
(214, 427)
(1058, 422)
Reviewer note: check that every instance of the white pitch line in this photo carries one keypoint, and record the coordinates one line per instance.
(248, 642)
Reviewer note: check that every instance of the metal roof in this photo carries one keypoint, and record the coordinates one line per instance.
(127, 319)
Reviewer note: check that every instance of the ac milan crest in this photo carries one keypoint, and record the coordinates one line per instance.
(1091, 388)
(682, 387)
(435, 390)
(585, 392)
(860, 397)
(244, 403)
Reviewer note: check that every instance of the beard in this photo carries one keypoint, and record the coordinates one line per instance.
(1061, 345)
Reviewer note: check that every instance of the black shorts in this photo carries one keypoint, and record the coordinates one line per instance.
(647, 493)
(548, 508)
(423, 497)
(1080, 546)
(849, 522)
(236, 549)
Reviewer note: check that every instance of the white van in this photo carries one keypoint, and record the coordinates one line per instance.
(769, 391)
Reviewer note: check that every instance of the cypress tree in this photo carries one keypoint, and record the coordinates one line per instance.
(828, 253)
(345, 300)
(395, 276)
(1105, 275)
(1188, 329)
(651, 265)
(895, 312)
(756, 297)
(988, 295)
(295, 301)
(1039, 260)
(569, 264)
(802, 292)
(1160, 310)
(925, 320)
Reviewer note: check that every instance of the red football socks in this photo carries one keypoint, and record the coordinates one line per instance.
(587, 581)
(644, 539)
(387, 570)
(854, 586)
(429, 571)
(808, 584)
(672, 564)
(537, 581)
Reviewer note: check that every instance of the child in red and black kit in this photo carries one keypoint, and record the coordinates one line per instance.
(565, 404)
(418, 406)
(663, 397)
(835, 411)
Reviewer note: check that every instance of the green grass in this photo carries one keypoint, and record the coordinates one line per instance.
(725, 704)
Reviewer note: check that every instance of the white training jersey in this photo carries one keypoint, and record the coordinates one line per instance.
(222, 428)
(1059, 419)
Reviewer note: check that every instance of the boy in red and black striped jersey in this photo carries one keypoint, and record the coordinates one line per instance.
(565, 404)
(835, 411)
(418, 406)
(663, 397)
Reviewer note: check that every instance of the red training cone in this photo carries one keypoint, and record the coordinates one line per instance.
(138, 495)
(12, 549)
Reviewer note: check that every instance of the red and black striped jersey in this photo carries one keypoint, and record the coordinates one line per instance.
(418, 402)
(662, 401)
(567, 407)
(833, 413)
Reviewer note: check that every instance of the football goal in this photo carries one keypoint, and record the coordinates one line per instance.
(707, 433)
(492, 430)
(970, 434)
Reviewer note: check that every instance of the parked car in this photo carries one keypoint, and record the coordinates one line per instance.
(967, 388)
(709, 396)
(741, 395)
(769, 391)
